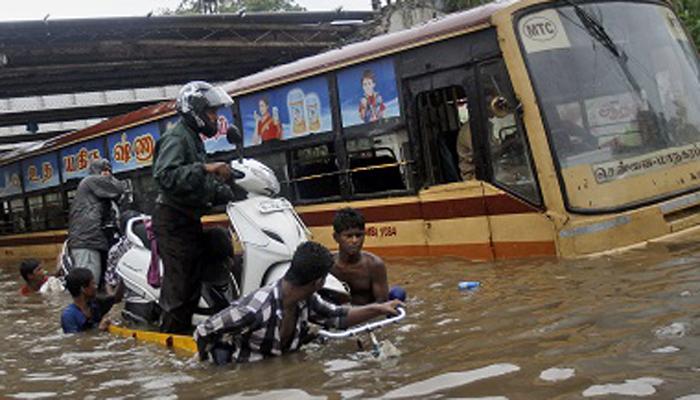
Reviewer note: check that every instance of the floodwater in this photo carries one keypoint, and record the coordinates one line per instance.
(609, 327)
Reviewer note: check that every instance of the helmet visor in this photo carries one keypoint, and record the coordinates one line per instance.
(216, 97)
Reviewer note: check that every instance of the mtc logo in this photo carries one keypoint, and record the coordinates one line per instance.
(540, 29)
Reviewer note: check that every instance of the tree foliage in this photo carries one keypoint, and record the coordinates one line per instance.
(689, 13)
(233, 6)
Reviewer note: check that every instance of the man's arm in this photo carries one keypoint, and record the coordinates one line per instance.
(380, 287)
(105, 187)
(177, 177)
(234, 320)
(358, 315)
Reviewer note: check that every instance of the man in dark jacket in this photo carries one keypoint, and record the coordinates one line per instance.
(87, 240)
(187, 186)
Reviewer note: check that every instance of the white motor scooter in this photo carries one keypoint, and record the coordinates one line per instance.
(267, 228)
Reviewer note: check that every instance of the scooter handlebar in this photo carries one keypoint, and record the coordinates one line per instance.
(368, 327)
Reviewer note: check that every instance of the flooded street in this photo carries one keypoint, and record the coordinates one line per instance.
(609, 327)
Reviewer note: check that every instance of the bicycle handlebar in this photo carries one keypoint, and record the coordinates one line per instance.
(368, 327)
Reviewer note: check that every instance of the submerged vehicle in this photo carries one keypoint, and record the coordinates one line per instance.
(267, 229)
(582, 117)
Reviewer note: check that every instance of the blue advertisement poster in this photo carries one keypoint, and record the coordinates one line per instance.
(40, 172)
(133, 148)
(291, 111)
(76, 159)
(218, 142)
(368, 93)
(9, 180)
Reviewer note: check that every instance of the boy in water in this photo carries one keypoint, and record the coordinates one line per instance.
(364, 272)
(87, 310)
(36, 279)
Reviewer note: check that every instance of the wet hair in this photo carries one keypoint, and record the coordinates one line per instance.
(348, 218)
(77, 279)
(124, 219)
(310, 262)
(367, 74)
(217, 244)
(27, 267)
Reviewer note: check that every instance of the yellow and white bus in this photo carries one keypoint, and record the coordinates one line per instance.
(519, 128)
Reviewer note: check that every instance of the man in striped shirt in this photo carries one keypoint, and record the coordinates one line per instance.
(275, 319)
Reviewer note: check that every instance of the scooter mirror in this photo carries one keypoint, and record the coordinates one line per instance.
(233, 135)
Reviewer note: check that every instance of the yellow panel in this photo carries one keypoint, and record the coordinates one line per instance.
(522, 228)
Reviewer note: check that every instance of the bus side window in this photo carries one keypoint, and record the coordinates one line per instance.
(19, 222)
(55, 216)
(37, 214)
(315, 173)
(439, 123)
(6, 222)
(379, 163)
(510, 163)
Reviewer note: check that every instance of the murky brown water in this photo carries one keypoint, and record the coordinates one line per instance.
(626, 324)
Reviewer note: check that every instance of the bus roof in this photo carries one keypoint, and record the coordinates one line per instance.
(444, 27)
(437, 29)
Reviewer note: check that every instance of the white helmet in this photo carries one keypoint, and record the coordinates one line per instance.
(194, 99)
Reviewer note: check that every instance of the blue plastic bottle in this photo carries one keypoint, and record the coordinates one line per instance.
(468, 285)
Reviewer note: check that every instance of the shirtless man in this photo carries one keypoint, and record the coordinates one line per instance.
(364, 272)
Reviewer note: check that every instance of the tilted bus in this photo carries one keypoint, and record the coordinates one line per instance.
(583, 119)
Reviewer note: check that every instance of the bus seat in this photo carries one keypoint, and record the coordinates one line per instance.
(379, 179)
(325, 186)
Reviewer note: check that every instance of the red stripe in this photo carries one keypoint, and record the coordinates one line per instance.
(499, 204)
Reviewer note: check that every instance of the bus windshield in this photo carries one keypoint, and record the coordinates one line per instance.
(618, 86)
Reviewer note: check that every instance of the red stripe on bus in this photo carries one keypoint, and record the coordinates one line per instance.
(472, 251)
(433, 210)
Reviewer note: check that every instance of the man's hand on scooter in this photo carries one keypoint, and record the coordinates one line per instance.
(220, 169)
(390, 307)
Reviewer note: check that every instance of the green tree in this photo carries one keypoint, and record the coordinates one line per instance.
(689, 13)
(234, 6)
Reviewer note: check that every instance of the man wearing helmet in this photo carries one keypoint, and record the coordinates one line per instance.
(188, 185)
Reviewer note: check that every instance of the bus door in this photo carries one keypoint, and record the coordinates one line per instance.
(441, 116)
(512, 195)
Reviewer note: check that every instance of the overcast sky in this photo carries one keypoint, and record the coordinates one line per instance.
(38, 9)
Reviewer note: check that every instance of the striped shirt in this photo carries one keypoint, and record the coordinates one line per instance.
(252, 324)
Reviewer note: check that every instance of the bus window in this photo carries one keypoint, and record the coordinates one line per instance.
(315, 173)
(6, 222)
(37, 215)
(511, 166)
(379, 163)
(439, 124)
(19, 222)
(630, 112)
(55, 215)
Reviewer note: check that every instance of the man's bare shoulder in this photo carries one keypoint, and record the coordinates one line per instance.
(372, 260)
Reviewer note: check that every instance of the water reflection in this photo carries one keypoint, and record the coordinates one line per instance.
(619, 325)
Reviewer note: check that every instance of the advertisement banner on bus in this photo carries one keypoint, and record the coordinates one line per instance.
(40, 172)
(9, 180)
(368, 93)
(76, 159)
(291, 111)
(133, 148)
(218, 142)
